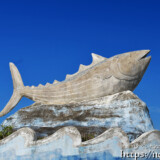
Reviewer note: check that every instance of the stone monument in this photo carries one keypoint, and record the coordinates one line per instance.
(97, 101)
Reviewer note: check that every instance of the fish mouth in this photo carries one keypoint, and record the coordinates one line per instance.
(143, 55)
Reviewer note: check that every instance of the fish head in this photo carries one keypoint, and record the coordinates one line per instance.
(133, 64)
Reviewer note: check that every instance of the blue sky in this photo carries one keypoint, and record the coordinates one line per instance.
(49, 39)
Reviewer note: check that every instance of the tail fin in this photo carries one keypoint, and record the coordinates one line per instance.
(17, 85)
(16, 77)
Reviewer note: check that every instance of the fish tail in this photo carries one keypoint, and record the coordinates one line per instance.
(18, 86)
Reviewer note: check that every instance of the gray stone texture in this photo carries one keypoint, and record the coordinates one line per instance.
(124, 110)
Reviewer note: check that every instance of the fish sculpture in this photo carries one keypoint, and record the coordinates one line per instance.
(104, 76)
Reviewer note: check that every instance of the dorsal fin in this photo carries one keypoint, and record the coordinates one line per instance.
(32, 86)
(40, 85)
(55, 81)
(47, 84)
(68, 76)
(81, 68)
(27, 86)
(97, 58)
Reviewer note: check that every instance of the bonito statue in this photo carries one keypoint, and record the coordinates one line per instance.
(101, 78)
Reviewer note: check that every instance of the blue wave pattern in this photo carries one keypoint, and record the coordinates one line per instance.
(23, 146)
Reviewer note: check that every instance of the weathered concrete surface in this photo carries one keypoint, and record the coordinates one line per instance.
(103, 77)
(91, 118)
(66, 144)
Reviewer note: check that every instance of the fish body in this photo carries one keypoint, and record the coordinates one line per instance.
(104, 76)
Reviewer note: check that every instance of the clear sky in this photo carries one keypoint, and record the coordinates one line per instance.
(49, 39)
